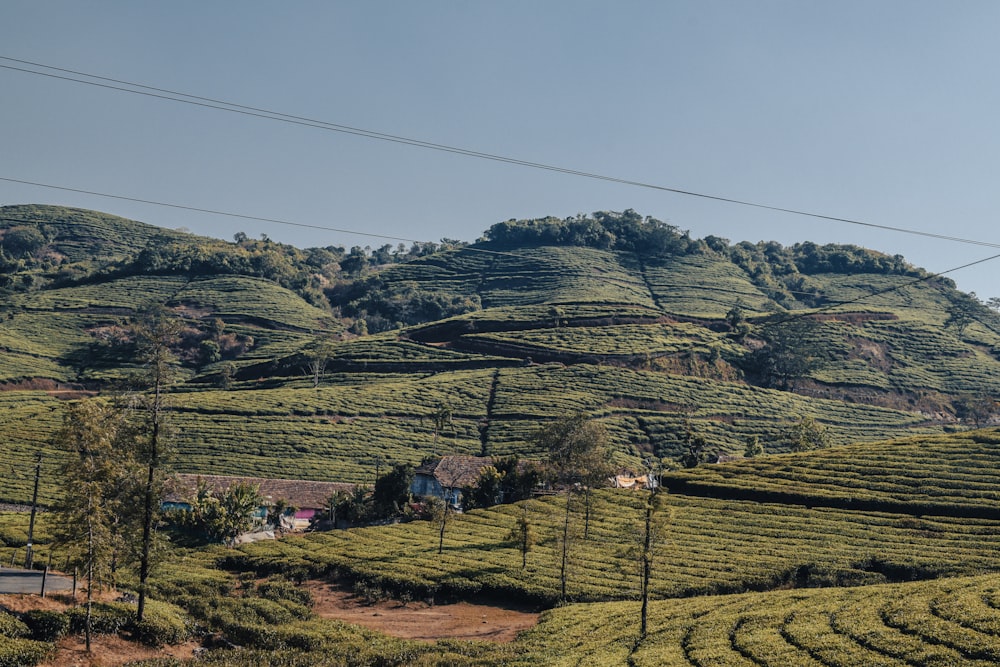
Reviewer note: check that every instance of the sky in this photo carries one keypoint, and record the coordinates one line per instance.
(879, 111)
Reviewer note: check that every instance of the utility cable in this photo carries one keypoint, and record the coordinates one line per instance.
(605, 278)
(221, 105)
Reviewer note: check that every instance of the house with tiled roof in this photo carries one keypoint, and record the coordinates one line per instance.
(308, 496)
(446, 477)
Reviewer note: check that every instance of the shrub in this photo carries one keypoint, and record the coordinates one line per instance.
(279, 590)
(22, 652)
(107, 618)
(11, 627)
(45, 625)
(162, 623)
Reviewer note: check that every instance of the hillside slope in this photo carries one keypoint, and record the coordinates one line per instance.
(626, 319)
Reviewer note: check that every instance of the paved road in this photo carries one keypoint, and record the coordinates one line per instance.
(30, 581)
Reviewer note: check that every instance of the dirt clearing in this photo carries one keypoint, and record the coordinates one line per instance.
(420, 621)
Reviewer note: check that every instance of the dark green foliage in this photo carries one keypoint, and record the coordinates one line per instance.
(19, 241)
(392, 490)
(107, 618)
(696, 449)
(45, 625)
(385, 307)
(626, 231)
(22, 652)
(11, 626)
(976, 410)
(218, 518)
(509, 480)
(808, 434)
(811, 258)
(788, 353)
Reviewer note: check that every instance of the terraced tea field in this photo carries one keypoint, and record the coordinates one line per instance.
(953, 475)
(943, 622)
(711, 546)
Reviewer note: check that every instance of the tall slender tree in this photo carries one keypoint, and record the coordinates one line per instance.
(656, 516)
(579, 456)
(579, 460)
(156, 331)
(523, 535)
(92, 434)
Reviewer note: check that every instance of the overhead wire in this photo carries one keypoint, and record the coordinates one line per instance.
(232, 107)
(222, 105)
(604, 277)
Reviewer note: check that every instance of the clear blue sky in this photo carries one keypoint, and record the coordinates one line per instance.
(885, 111)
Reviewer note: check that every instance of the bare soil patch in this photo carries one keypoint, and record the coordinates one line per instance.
(421, 621)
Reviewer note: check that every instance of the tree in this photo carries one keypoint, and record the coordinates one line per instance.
(523, 535)
(392, 490)
(449, 477)
(565, 540)
(223, 518)
(787, 353)
(238, 507)
(278, 514)
(92, 434)
(963, 310)
(975, 408)
(155, 332)
(656, 518)
(487, 490)
(579, 459)
(696, 446)
(318, 354)
(579, 456)
(754, 447)
(441, 418)
(736, 319)
(808, 434)
(20, 241)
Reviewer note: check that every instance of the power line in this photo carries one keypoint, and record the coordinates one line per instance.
(232, 107)
(209, 211)
(599, 277)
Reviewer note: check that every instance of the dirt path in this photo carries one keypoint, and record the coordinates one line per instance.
(418, 620)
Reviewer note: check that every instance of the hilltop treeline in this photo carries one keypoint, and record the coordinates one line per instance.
(42, 246)
(631, 232)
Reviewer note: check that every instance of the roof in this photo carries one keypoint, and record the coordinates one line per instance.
(453, 472)
(304, 494)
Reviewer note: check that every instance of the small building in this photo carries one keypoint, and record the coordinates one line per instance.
(446, 477)
(630, 480)
(309, 497)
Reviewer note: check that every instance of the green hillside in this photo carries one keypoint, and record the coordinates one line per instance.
(624, 318)
(954, 475)
(78, 235)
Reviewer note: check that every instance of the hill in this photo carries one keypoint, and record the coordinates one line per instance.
(624, 318)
